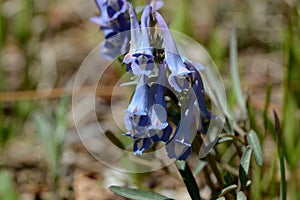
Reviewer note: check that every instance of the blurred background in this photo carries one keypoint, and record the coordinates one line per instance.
(42, 45)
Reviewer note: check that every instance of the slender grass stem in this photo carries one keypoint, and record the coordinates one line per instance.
(281, 157)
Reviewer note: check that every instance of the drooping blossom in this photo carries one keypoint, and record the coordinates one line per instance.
(160, 128)
(172, 58)
(115, 24)
(136, 117)
(198, 88)
(146, 117)
(180, 144)
(157, 4)
(139, 60)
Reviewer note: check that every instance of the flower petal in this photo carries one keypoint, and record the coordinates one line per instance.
(198, 88)
(172, 57)
(116, 8)
(186, 129)
(146, 143)
(140, 54)
(157, 4)
(166, 134)
(139, 102)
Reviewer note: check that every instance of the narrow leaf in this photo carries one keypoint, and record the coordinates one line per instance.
(244, 166)
(281, 157)
(245, 160)
(235, 72)
(227, 189)
(224, 139)
(267, 104)
(61, 120)
(136, 194)
(229, 137)
(188, 179)
(254, 142)
(241, 196)
(114, 139)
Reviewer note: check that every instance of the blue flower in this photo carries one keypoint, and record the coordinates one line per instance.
(180, 145)
(139, 60)
(198, 88)
(113, 20)
(136, 117)
(157, 103)
(139, 102)
(194, 109)
(157, 108)
(145, 144)
(146, 116)
(156, 4)
(172, 58)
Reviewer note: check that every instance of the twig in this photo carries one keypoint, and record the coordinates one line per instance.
(57, 93)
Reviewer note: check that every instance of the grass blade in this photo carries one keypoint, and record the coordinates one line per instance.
(235, 73)
(281, 158)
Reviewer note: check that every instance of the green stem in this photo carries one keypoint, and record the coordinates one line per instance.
(281, 158)
(189, 179)
(282, 172)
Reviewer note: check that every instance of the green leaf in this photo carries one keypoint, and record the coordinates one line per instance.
(290, 128)
(244, 166)
(267, 104)
(227, 189)
(223, 139)
(254, 142)
(241, 196)
(189, 179)
(229, 137)
(51, 132)
(235, 72)
(281, 157)
(245, 160)
(136, 194)
(44, 128)
(61, 124)
(111, 136)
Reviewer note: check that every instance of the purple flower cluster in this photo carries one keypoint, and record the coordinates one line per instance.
(147, 119)
(113, 20)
